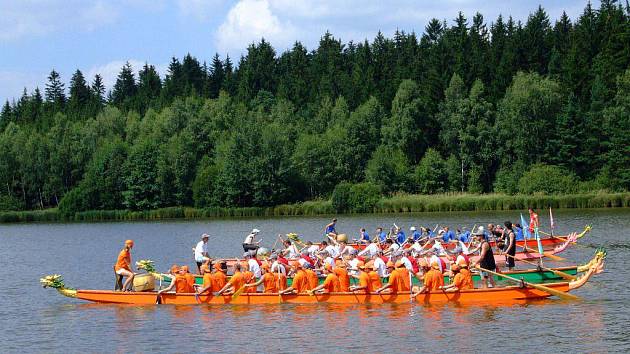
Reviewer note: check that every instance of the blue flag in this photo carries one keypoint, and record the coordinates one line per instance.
(525, 225)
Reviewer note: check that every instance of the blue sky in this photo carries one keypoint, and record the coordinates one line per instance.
(99, 36)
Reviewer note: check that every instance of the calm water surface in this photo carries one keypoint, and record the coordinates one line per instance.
(33, 319)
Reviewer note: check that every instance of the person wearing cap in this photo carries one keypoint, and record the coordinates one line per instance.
(415, 234)
(365, 286)
(395, 283)
(181, 283)
(123, 265)
(433, 279)
(330, 285)
(249, 244)
(300, 280)
(375, 278)
(344, 279)
(201, 252)
(462, 279)
(190, 278)
(268, 280)
(311, 276)
(486, 259)
(236, 282)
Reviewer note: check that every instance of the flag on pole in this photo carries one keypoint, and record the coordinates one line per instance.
(551, 219)
(525, 226)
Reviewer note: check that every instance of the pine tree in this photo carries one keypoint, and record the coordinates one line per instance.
(98, 91)
(149, 86)
(55, 92)
(216, 77)
(125, 88)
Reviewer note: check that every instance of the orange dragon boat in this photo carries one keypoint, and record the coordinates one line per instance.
(509, 294)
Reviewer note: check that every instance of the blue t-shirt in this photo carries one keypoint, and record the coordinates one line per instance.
(450, 235)
(401, 237)
(518, 234)
(464, 236)
(365, 236)
(416, 235)
(382, 236)
(330, 229)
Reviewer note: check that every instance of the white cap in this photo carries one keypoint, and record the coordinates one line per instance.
(441, 232)
(205, 236)
(255, 231)
(413, 228)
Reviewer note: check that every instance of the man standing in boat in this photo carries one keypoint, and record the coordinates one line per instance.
(510, 240)
(201, 252)
(486, 259)
(249, 244)
(533, 220)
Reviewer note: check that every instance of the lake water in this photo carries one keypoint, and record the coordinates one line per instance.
(33, 319)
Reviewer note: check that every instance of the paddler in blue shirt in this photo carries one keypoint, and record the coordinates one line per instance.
(400, 235)
(448, 234)
(330, 228)
(415, 233)
(382, 235)
(518, 231)
(363, 236)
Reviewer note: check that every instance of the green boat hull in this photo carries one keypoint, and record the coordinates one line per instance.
(530, 276)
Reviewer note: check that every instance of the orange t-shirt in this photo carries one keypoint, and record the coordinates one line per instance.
(331, 284)
(124, 260)
(313, 280)
(395, 281)
(300, 282)
(237, 280)
(182, 285)
(219, 279)
(405, 282)
(364, 280)
(270, 283)
(207, 280)
(433, 280)
(190, 278)
(249, 279)
(375, 281)
(463, 280)
(344, 279)
(282, 280)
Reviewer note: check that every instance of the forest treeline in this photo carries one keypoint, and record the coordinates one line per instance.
(467, 106)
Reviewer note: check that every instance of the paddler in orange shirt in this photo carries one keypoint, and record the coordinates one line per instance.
(123, 264)
(365, 285)
(249, 277)
(268, 279)
(331, 284)
(300, 280)
(236, 281)
(433, 279)
(394, 280)
(215, 281)
(313, 280)
(375, 278)
(190, 278)
(180, 283)
(463, 277)
(344, 279)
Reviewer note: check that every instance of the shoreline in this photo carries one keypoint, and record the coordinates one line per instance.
(397, 204)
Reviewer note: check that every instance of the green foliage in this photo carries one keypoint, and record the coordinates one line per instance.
(355, 198)
(340, 197)
(389, 169)
(10, 203)
(547, 180)
(431, 174)
(204, 185)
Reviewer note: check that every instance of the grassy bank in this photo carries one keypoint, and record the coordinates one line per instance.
(395, 204)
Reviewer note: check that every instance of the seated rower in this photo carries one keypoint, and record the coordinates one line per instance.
(371, 249)
(300, 281)
(290, 251)
(313, 280)
(393, 285)
(381, 235)
(190, 278)
(375, 278)
(363, 236)
(268, 280)
(236, 282)
(463, 278)
(390, 247)
(433, 279)
(330, 285)
(249, 244)
(123, 265)
(214, 282)
(344, 279)
(365, 285)
(248, 276)
(180, 283)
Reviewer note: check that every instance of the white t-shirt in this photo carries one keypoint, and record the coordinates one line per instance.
(277, 267)
(438, 248)
(407, 263)
(200, 250)
(312, 250)
(249, 239)
(371, 250)
(292, 252)
(254, 268)
(353, 265)
(380, 267)
(332, 251)
(329, 260)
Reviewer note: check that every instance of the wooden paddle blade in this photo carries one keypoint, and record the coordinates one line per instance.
(558, 293)
(238, 292)
(554, 257)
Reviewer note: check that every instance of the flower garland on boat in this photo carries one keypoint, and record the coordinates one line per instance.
(146, 264)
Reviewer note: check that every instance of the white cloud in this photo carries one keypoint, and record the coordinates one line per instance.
(27, 18)
(249, 21)
(13, 82)
(201, 10)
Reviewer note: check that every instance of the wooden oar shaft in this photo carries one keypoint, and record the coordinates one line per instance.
(551, 291)
(550, 256)
(557, 272)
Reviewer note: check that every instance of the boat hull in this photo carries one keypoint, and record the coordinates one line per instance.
(511, 294)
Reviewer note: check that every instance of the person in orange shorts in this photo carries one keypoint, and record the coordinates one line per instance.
(236, 282)
(268, 279)
(300, 280)
(123, 265)
(331, 284)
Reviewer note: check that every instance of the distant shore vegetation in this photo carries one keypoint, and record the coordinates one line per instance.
(468, 115)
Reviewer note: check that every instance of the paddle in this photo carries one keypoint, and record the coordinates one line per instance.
(238, 292)
(550, 256)
(158, 300)
(548, 290)
(556, 272)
